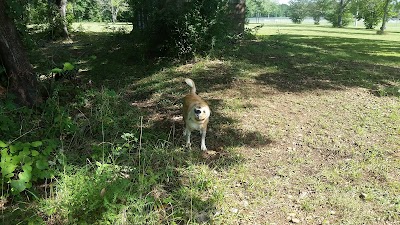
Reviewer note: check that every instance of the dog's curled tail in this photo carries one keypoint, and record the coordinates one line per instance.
(191, 84)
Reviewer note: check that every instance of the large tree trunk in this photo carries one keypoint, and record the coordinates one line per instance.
(385, 14)
(21, 80)
(238, 15)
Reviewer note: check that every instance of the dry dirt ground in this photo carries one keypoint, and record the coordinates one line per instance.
(299, 133)
(321, 156)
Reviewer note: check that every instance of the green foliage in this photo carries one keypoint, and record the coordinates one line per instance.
(333, 14)
(25, 162)
(66, 67)
(257, 8)
(318, 9)
(181, 29)
(298, 10)
(371, 12)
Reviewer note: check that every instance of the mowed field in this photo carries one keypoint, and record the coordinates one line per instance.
(305, 129)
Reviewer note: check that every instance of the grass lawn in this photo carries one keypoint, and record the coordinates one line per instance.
(305, 129)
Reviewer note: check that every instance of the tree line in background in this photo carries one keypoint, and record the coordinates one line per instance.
(340, 13)
(266, 8)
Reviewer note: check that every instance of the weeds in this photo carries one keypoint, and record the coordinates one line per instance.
(303, 129)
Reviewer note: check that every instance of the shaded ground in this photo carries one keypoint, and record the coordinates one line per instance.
(306, 129)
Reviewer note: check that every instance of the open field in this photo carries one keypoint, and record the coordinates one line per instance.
(305, 129)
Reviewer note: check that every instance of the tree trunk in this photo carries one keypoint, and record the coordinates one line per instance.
(340, 13)
(21, 80)
(62, 9)
(342, 8)
(238, 14)
(385, 14)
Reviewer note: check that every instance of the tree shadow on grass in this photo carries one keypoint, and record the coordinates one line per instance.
(311, 63)
(160, 177)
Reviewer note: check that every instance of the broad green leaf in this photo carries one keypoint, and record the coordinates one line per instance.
(16, 159)
(36, 144)
(10, 175)
(13, 148)
(42, 164)
(56, 70)
(8, 168)
(4, 154)
(26, 160)
(25, 176)
(35, 153)
(68, 66)
(27, 167)
(16, 147)
(47, 150)
(18, 185)
(25, 152)
(2, 144)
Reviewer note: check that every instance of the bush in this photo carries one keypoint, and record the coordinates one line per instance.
(23, 163)
(181, 29)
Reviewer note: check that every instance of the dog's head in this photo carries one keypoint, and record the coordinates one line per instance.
(201, 112)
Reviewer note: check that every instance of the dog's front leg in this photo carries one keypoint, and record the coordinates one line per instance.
(187, 133)
(203, 139)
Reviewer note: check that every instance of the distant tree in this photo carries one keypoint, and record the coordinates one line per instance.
(371, 12)
(261, 8)
(84, 10)
(318, 9)
(19, 72)
(338, 13)
(298, 10)
(283, 10)
(341, 10)
(114, 7)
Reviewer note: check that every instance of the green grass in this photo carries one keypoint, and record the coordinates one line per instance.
(305, 124)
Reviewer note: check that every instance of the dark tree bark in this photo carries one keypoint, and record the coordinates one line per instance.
(21, 80)
(238, 15)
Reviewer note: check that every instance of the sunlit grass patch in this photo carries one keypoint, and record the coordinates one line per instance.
(304, 125)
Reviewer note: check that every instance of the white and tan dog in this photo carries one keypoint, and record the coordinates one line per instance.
(196, 114)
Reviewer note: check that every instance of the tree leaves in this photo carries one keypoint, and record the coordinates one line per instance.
(3, 145)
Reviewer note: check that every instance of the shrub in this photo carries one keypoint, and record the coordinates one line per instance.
(181, 29)
(23, 163)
